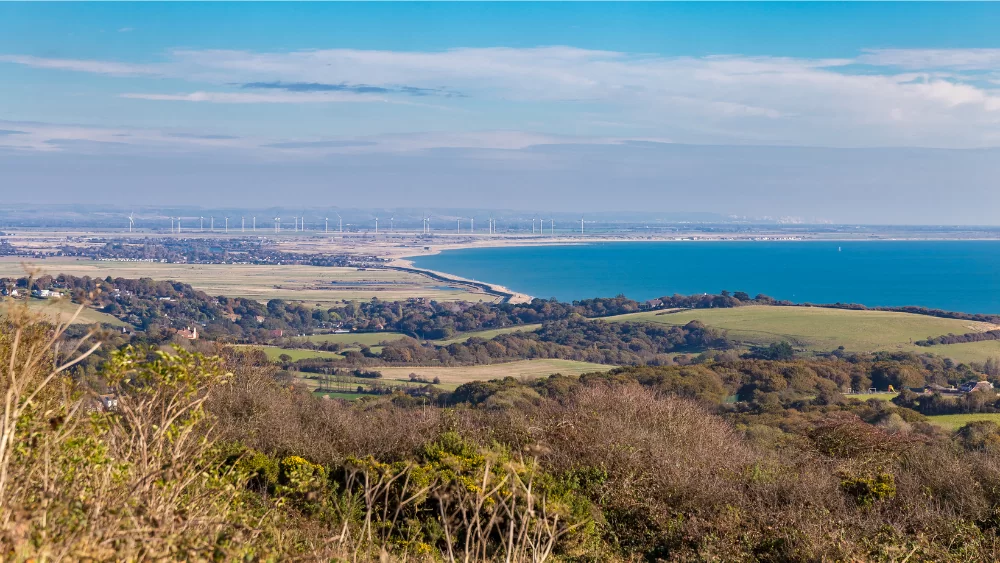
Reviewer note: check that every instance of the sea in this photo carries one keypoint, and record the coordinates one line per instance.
(951, 275)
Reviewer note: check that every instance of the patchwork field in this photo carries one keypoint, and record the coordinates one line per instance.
(815, 328)
(310, 284)
(464, 374)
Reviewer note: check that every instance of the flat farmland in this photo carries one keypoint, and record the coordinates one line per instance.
(308, 284)
(463, 374)
(821, 329)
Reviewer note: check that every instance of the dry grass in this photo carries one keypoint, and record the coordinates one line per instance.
(527, 369)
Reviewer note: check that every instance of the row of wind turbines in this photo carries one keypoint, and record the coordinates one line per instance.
(300, 224)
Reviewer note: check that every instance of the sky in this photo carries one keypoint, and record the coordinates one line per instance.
(845, 112)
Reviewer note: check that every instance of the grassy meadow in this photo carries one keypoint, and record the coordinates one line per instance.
(956, 421)
(309, 284)
(866, 396)
(486, 334)
(61, 310)
(819, 329)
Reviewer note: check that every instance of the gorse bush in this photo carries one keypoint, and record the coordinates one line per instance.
(80, 481)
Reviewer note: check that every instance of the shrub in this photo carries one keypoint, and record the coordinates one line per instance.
(866, 491)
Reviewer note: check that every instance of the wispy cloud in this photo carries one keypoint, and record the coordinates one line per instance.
(58, 137)
(52, 137)
(79, 65)
(320, 144)
(258, 98)
(932, 59)
(354, 88)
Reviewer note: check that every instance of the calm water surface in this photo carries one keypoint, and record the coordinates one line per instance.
(952, 275)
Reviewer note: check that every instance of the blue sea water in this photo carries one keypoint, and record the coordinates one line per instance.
(951, 275)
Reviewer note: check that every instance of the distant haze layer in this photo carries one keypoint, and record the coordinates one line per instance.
(881, 186)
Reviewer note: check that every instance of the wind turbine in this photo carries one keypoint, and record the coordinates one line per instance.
(201, 223)
(341, 223)
(326, 225)
(171, 224)
(255, 223)
(277, 224)
(211, 223)
(552, 227)
(581, 225)
(131, 221)
(243, 224)
(392, 225)
(227, 225)
(532, 225)
(376, 225)
(472, 225)
(178, 225)
(458, 226)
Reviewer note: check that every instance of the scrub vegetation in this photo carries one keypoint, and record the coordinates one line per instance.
(182, 455)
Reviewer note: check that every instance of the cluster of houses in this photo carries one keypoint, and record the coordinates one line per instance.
(963, 389)
(967, 387)
(36, 293)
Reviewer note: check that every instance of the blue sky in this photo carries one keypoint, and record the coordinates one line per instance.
(551, 104)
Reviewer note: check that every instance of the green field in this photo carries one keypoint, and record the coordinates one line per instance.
(956, 421)
(819, 329)
(273, 352)
(967, 351)
(486, 334)
(866, 396)
(355, 338)
(62, 310)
